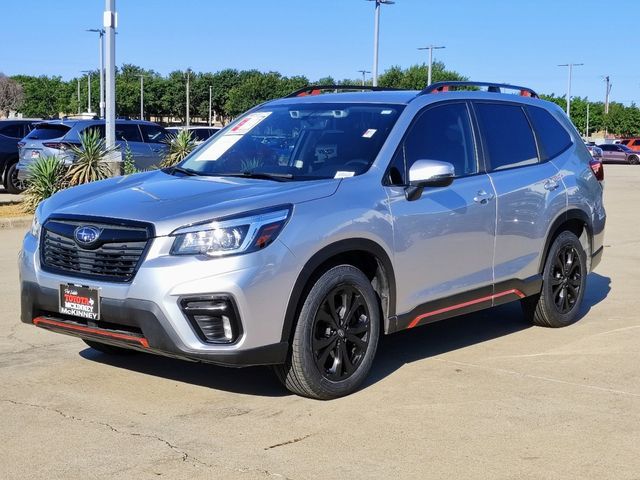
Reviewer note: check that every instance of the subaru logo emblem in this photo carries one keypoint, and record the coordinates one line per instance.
(86, 235)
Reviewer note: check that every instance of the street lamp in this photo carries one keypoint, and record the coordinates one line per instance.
(210, 97)
(431, 48)
(570, 65)
(141, 75)
(109, 21)
(376, 30)
(88, 72)
(188, 75)
(363, 72)
(100, 32)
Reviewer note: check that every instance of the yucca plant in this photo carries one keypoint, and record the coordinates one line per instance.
(129, 165)
(45, 176)
(180, 146)
(89, 164)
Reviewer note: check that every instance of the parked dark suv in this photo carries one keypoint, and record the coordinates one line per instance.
(11, 131)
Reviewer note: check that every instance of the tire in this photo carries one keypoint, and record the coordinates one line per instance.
(563, 283)
(109, 349)
(11, 182)
(335, 338)
(634, 160)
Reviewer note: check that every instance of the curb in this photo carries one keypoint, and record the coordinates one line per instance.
(15, 222)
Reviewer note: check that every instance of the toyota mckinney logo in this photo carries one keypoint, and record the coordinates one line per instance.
(86, 235)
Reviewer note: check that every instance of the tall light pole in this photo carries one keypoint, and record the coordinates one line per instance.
(431, 48)
(364, 73)
(188, 74)
(570, 65)
(606, 95)
(100, 32)
(110, 23)
(376, 36)
(88, 72)
(141, 96)
(587, 135)
(210, 96)
(79, 107)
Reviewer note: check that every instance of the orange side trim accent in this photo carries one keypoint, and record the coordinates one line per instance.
(43, 321)
(513, 291)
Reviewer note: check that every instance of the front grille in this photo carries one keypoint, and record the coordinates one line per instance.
(115, 257)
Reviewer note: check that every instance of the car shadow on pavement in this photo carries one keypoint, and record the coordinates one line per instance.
(459, 332)
(260, 381)
(393, 351)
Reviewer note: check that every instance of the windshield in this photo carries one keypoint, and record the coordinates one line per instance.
(299, 142)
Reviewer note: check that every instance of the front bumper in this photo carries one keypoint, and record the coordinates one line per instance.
(138, 325)
(145, 314)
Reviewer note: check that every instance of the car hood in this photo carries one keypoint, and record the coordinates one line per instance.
(170, 202)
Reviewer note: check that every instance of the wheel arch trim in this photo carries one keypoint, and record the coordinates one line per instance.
(322, 256)
(564, 217)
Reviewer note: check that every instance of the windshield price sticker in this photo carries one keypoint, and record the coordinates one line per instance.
(343, 174)
(248, 123)
(369, 133)
(79, 302)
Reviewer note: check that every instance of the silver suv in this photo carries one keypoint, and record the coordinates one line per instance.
(314, 224)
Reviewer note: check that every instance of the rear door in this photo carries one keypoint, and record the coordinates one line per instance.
(443, 241)
(154, 137)
(128, 135)
(529, 188)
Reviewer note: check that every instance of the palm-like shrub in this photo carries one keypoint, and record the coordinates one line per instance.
(180, 146)
(89, 164)
(45, 177)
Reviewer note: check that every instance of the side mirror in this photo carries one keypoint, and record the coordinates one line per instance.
(428, 173)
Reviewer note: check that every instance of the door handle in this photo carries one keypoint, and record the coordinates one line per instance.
(482, 197)
(551, 184)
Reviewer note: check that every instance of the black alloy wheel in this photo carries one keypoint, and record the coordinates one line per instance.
(341, 333)
(566, 279)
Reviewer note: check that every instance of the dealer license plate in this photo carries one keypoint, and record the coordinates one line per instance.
(81, 302)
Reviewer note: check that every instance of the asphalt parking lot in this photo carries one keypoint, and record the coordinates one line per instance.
(480, 396)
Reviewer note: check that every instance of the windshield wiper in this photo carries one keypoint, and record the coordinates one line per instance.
(186, 171)
(278, 177)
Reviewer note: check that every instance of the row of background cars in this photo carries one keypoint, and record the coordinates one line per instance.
(615, 152)
(23, 141)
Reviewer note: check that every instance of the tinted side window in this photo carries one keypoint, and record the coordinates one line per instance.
(13, 131)
(440, 133)
(98, 127)
(507, 135)
(153, 133)
(553, 139)
(128, 132)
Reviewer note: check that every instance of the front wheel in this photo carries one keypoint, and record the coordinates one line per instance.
(563, 283)
(336, 336)
(634, 160)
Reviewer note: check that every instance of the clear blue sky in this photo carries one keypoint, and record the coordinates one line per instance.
(514, 41)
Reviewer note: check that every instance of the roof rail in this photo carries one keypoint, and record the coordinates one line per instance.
(317, 89)
(491, 87)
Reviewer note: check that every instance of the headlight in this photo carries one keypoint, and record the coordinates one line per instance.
(35, 224)
(231, 235)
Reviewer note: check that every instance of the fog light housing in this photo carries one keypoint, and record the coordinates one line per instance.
(213, 317)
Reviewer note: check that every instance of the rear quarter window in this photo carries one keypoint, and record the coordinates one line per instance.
(553, 139)
(507, 135)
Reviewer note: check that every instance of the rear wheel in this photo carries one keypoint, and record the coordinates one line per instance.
(12, 183)
(109, 349)
(634, 160)
(563, 284)
(336, 336)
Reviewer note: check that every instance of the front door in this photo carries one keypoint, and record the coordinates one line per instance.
(444, 240)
